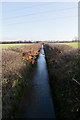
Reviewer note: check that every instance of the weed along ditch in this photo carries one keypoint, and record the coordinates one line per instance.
(63, 63)
(37, 101)
(18, 67)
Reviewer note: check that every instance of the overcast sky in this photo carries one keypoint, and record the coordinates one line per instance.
(39, 20)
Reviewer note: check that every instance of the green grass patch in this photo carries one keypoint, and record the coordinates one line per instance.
(73, 44)
(6, 46)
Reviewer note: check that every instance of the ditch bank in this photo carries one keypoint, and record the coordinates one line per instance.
(63, 68)
(17, 71)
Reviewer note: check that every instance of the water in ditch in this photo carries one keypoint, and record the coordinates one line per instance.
(37, 101)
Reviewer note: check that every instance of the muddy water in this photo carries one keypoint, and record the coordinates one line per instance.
(37, 101)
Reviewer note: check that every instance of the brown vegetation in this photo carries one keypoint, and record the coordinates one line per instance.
(16, 68)
(63, 65)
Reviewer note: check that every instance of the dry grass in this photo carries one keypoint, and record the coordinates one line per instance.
(16, 67)
(63, 65)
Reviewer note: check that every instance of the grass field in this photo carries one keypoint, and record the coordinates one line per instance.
(73, 44)
(6, 46)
